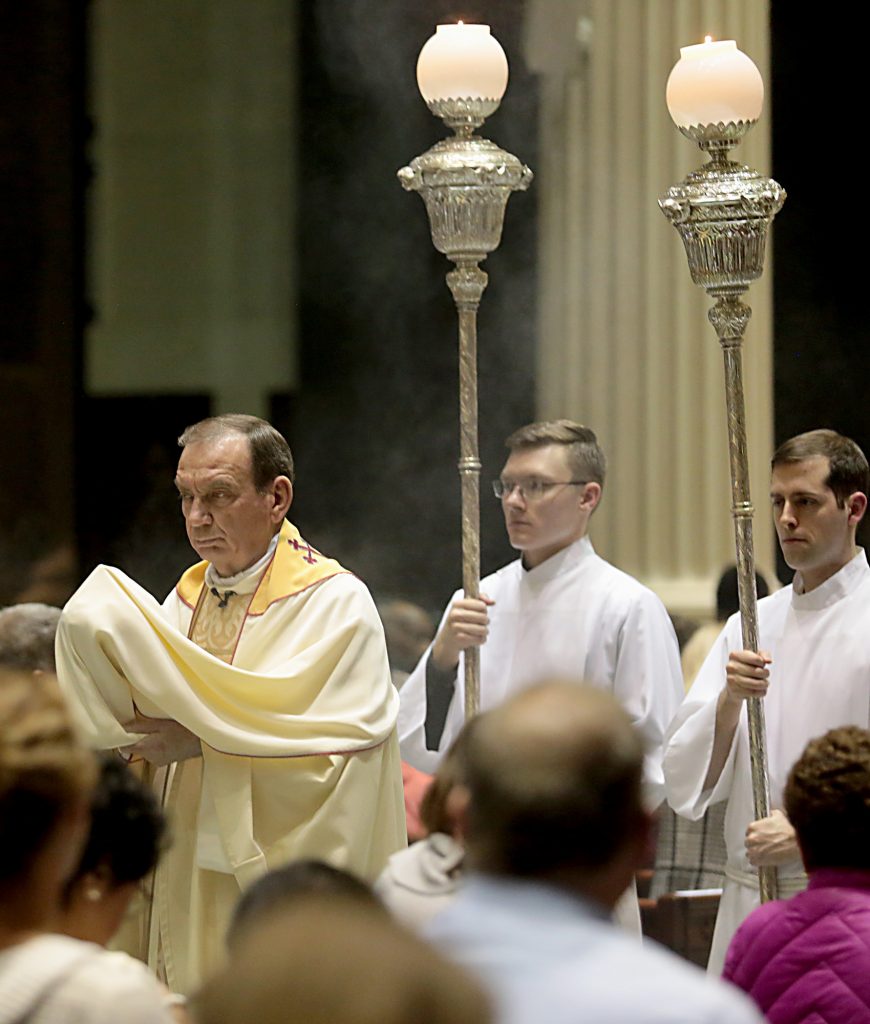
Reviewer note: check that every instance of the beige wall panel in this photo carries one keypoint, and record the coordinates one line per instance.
(625, 344)
(191, 216)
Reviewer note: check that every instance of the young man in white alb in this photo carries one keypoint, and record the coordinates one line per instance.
(813, 669)
(559, 611)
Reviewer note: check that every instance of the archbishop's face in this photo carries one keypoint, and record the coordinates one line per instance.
(229, 522)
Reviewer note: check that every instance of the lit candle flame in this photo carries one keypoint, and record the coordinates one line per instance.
(707, 39)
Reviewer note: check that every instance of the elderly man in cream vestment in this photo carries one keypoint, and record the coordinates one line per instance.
(260, 689)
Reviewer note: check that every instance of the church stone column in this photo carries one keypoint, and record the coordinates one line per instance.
(624, 340)
(191, 214)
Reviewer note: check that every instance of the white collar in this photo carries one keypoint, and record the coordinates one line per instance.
(214, 579)
(835, 588)
(567, 558)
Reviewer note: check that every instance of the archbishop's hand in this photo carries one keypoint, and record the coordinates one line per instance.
(165, 741)
(466, 625)
(771, 840)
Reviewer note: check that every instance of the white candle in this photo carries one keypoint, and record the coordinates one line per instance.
(462, 62)
(714, 82)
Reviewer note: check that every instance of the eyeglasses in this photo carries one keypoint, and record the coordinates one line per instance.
(531, 490)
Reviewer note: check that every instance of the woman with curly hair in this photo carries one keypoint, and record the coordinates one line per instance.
(808, 958)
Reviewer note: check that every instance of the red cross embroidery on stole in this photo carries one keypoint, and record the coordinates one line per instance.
(309, 557)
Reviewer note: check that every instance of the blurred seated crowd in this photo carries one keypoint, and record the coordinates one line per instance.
(501, 908)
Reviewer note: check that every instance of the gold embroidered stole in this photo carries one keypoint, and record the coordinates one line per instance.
(217, 623)
(294, 567)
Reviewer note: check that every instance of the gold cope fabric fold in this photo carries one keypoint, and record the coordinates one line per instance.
(300, 757)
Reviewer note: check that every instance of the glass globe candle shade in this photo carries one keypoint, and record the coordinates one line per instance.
(714, 83)
(462, 62)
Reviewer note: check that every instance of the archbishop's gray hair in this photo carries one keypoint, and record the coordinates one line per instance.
(270, 453)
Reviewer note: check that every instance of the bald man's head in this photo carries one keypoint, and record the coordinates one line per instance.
(27, 633)
(554, 778)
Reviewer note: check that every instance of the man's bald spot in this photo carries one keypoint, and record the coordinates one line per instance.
(27, 633)
(554, 780)
(554, 726)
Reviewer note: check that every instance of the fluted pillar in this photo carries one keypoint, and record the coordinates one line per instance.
(624, 340)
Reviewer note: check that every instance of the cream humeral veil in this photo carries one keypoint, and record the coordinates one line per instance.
(300, 755)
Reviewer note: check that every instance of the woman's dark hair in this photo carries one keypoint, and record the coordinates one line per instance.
(127, 826)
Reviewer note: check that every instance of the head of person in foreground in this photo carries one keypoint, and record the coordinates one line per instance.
(123, 844)
(46, 780)
(27, 633)
(333, 960)
(827, 800)
(283, 888)
(552, 791)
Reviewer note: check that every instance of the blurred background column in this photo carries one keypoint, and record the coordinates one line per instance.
(192, 209)
(42, 73)
(624, 340)
(191, 247)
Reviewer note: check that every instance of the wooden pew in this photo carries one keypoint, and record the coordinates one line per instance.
(683, 921)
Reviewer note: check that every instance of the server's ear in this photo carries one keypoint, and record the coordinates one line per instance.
(857, 505)
(590, 495)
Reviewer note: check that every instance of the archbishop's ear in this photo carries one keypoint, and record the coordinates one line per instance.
(282, 498)
(857, 505)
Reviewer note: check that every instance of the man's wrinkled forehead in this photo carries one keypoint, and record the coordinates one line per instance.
(225, 456)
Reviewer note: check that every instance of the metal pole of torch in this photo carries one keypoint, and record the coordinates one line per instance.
(723, 212)
(465, 182)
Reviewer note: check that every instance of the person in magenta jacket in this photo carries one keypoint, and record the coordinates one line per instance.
(808, 958)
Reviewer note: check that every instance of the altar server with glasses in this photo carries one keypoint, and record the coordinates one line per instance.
(558, 611)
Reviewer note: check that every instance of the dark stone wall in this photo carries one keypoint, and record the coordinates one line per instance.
(375, 425)
(822, 333)
(42, 130)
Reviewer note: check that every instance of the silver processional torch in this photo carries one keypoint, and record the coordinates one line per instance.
(465, 182)
(722, 212)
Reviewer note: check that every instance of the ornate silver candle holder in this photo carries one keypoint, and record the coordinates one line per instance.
(465, 182)
(722, 212)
